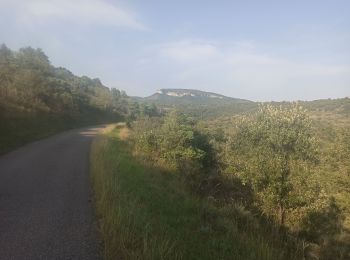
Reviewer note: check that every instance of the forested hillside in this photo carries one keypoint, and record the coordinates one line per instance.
(199, 104)
(38, 99)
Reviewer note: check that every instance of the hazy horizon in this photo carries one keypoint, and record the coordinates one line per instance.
(260, 51)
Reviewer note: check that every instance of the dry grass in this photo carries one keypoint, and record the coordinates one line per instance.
(109, 128)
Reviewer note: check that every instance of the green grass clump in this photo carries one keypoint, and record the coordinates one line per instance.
(146, 213)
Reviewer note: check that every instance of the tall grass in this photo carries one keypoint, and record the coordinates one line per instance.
(146, 213)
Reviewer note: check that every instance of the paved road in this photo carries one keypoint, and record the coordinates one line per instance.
(45, 200)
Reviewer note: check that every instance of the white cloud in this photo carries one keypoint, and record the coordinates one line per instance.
(220, 65)
(242, 56)
(85, 12)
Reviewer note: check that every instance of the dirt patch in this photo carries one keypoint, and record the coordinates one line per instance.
(124, 133)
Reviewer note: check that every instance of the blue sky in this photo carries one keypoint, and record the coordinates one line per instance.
(258, 50)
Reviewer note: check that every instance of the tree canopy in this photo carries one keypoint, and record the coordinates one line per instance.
(37, 98)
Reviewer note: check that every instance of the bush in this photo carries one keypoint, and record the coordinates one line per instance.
(171, 142)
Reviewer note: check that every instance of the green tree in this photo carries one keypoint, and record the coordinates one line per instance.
(343, 151)
(7, 69)
(272, 151)
(172, 142)
(149, 110)
(177, 143)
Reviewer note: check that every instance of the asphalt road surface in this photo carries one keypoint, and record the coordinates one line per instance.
(45, 200)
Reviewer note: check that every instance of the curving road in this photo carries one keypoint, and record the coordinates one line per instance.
(45, 200)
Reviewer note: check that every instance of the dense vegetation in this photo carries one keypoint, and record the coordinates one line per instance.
(286, 167)
(147, 211)
(38, 99)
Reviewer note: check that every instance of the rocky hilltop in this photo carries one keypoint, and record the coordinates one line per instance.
(188, 93)
(191, 95)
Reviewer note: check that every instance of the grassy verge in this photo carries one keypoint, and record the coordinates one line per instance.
(146, 213)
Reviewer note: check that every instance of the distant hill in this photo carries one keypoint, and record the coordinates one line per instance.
(211, 105)
(173, 96)
(197, 103)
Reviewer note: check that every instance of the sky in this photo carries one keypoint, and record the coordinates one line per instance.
(257, 50)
